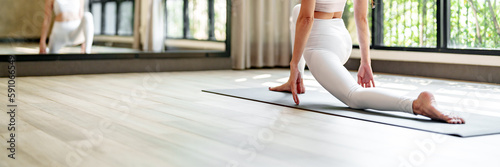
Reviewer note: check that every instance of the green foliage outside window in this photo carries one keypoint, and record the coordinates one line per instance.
(198, 19)
(474, 24)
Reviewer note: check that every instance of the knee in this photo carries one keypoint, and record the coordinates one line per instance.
(354, 104)
(353, 99)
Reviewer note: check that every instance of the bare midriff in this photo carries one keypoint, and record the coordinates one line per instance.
(67, 16)
(324, 15)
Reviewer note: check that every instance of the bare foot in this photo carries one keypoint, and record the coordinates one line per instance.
(424, 105)
(286, 87)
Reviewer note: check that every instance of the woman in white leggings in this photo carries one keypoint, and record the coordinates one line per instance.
(320, 36)
(72, 26)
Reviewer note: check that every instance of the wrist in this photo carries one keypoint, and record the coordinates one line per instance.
(294, 63)
(368, 62)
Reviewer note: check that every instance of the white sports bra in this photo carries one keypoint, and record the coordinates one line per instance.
(330, 6)
(61, 6)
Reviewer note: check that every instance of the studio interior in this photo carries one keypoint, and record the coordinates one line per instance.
(249, 83)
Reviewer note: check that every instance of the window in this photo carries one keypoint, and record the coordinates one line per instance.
(474, 24)
(183, 21)
(220, 19)
(454, 26)
(175, 21)
(409, 23)
(196, 19)
(113, 17)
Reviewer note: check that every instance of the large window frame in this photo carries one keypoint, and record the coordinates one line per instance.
(443, 31)
(186, 21)
(103, 15)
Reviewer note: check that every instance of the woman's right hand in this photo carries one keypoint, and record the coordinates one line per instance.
(43, 48)
(295, 84)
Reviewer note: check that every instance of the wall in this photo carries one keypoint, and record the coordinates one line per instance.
(21, 18)
(478, 68)
(74, 67)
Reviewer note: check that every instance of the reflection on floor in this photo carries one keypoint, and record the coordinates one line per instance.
(163, 119)
(33, 48)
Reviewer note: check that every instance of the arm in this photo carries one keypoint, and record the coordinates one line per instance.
(82, 8)
(45, 25)
(303, 29)
(365, 74)
(360, 15)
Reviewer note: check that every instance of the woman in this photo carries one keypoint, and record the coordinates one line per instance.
(72, 26)
(320, 35)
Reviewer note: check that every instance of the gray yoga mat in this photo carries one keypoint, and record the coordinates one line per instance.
(323, 102)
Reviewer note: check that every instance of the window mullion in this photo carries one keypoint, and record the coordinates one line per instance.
(211, 20)
(377, 24)
(117, 23)
(443, 21)
(186, 19)
(103, 16)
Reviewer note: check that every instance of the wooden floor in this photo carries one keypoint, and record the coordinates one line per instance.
(163, 119)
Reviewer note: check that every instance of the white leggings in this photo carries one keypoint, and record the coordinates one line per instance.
(72, 33)
(327, 50)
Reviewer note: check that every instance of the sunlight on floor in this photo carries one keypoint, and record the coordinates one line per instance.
(240, 80)
(262, 76)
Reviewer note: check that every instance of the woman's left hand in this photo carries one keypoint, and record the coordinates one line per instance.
(295, 85)
(43, 48)
(365, 75)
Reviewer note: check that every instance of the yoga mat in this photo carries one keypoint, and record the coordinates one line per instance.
(323, 102)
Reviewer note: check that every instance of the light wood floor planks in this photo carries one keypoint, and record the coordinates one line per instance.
(163, 119)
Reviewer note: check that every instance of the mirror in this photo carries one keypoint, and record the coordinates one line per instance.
(121, 26)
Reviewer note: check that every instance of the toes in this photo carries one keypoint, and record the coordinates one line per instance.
(456, 120)
(459, 120)
(448, 119)
(452, 121)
